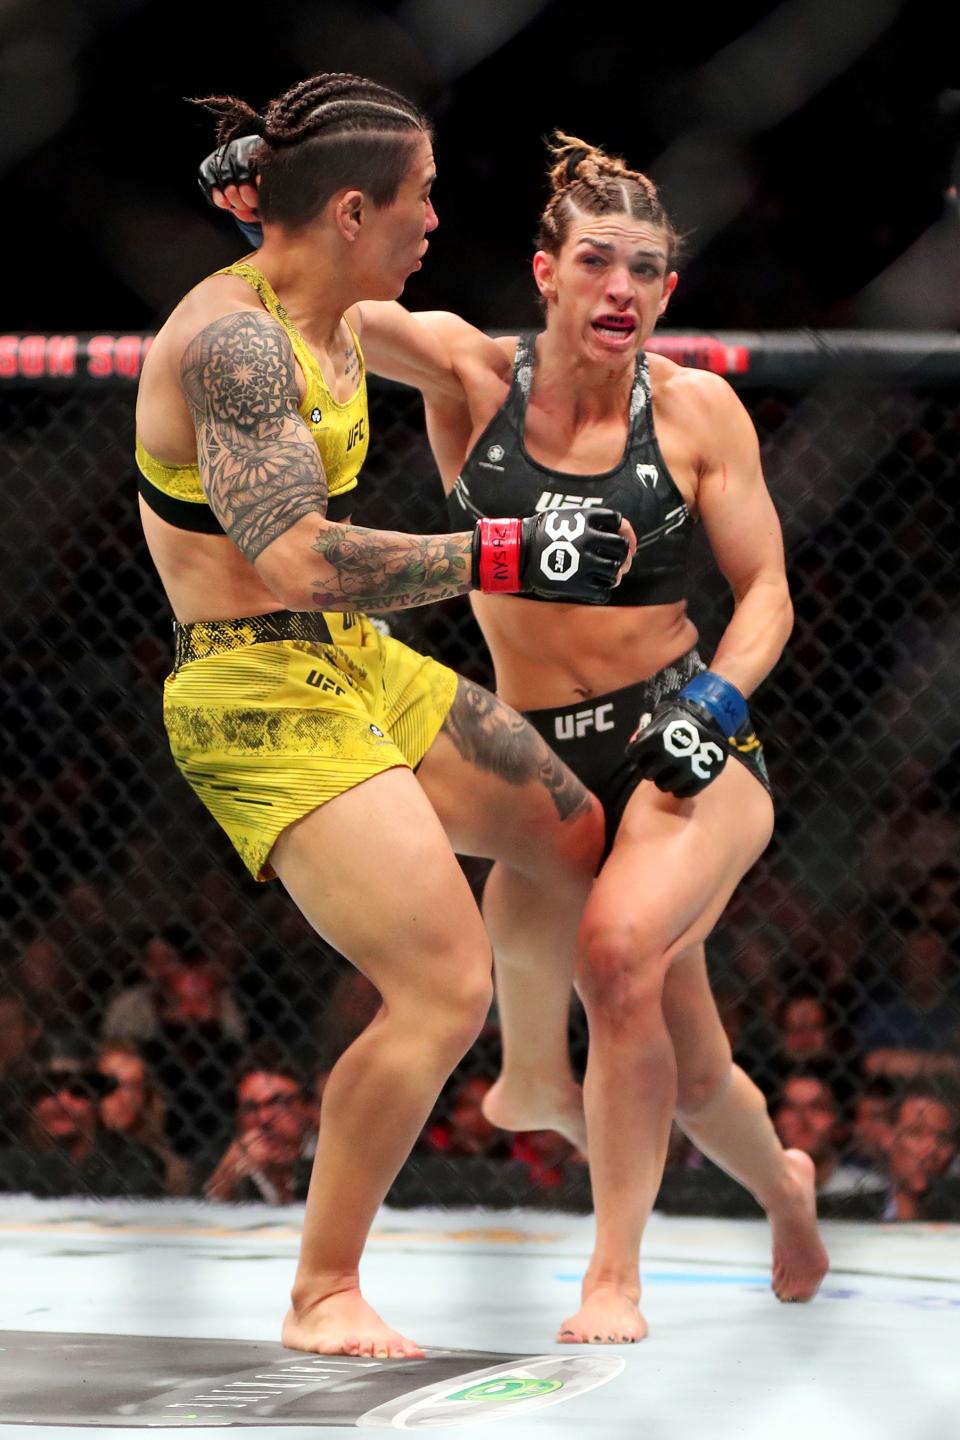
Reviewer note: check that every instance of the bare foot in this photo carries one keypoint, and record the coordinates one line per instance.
(344, 1324)
(608, 1316)
(537, 1106)
(799, 1258)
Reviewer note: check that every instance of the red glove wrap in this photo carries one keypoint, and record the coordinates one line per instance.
(498, 550)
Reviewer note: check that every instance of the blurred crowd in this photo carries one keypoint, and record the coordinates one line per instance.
(191, 1059)
(166, 1026)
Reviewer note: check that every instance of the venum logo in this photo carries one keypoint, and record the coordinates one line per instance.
(565, 727)
(648, 475)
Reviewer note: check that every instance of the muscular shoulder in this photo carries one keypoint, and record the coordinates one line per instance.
(704, 404)
(215, 299)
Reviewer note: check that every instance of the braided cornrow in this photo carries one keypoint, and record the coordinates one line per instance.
(329, 132)
(585, 180)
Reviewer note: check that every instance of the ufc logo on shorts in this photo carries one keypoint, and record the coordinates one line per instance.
(561, 560)
(566, 726)
(682, 739)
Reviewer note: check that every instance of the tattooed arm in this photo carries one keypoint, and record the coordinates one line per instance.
(264, 480)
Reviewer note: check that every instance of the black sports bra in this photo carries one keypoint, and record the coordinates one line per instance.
(500, 478)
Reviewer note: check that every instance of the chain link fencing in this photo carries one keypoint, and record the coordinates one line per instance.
(143, 973)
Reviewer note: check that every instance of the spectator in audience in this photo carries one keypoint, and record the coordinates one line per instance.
(922, 1154)
(871, 1117)
(64, 1148)
(271, 1154)
(136, 1108)
(179, 987)
(912, 1026)
(804, 1029)
(807, 1117)
(186, 1023)
(18, 1034)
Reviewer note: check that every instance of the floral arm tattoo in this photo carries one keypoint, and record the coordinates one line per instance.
(385, 570)
(262, 473)
(260, 465)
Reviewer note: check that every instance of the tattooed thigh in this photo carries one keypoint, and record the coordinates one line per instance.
(488, 734)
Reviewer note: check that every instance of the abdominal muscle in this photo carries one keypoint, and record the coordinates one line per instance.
(547, 655)
(205, 576)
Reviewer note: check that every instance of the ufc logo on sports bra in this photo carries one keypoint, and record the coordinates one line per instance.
(566, 726)
(355, 435)
(556, 500)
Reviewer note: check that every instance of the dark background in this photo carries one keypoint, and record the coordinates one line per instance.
(805, 147)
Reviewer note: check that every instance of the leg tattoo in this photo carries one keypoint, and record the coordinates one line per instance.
(489, 734)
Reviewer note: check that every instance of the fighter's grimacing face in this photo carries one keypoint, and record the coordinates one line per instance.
(609, 284)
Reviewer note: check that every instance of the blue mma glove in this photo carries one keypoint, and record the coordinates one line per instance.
(684, 743)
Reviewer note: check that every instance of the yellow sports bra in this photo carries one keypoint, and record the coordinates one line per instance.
(175, 492)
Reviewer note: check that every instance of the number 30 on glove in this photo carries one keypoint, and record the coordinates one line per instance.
(685, 742)
(575, 555)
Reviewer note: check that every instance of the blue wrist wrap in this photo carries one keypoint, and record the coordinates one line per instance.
(723, 700)
(252, 232)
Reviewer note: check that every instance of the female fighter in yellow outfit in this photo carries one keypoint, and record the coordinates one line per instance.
(296, 722)
(580, 416)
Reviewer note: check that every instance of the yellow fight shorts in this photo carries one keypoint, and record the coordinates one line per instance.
(271, 716)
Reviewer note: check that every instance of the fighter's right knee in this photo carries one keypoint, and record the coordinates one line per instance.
(620, 976)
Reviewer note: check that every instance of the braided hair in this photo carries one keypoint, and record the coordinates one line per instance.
(586, 181)
(331, 132)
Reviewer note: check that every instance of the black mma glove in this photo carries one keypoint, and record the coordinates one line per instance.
(684, 744)
(232, 164)
(570, 555)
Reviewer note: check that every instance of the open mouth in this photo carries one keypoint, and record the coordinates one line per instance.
(614, 327)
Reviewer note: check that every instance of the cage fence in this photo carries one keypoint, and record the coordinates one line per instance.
(131, 926)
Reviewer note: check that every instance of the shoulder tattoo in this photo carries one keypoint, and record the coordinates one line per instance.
(260, 465)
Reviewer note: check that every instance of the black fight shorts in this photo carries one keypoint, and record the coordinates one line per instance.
(592, 737)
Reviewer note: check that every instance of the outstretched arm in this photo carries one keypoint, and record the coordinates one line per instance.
(264, 480)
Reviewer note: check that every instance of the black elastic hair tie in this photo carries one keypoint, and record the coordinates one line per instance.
(573, 162)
